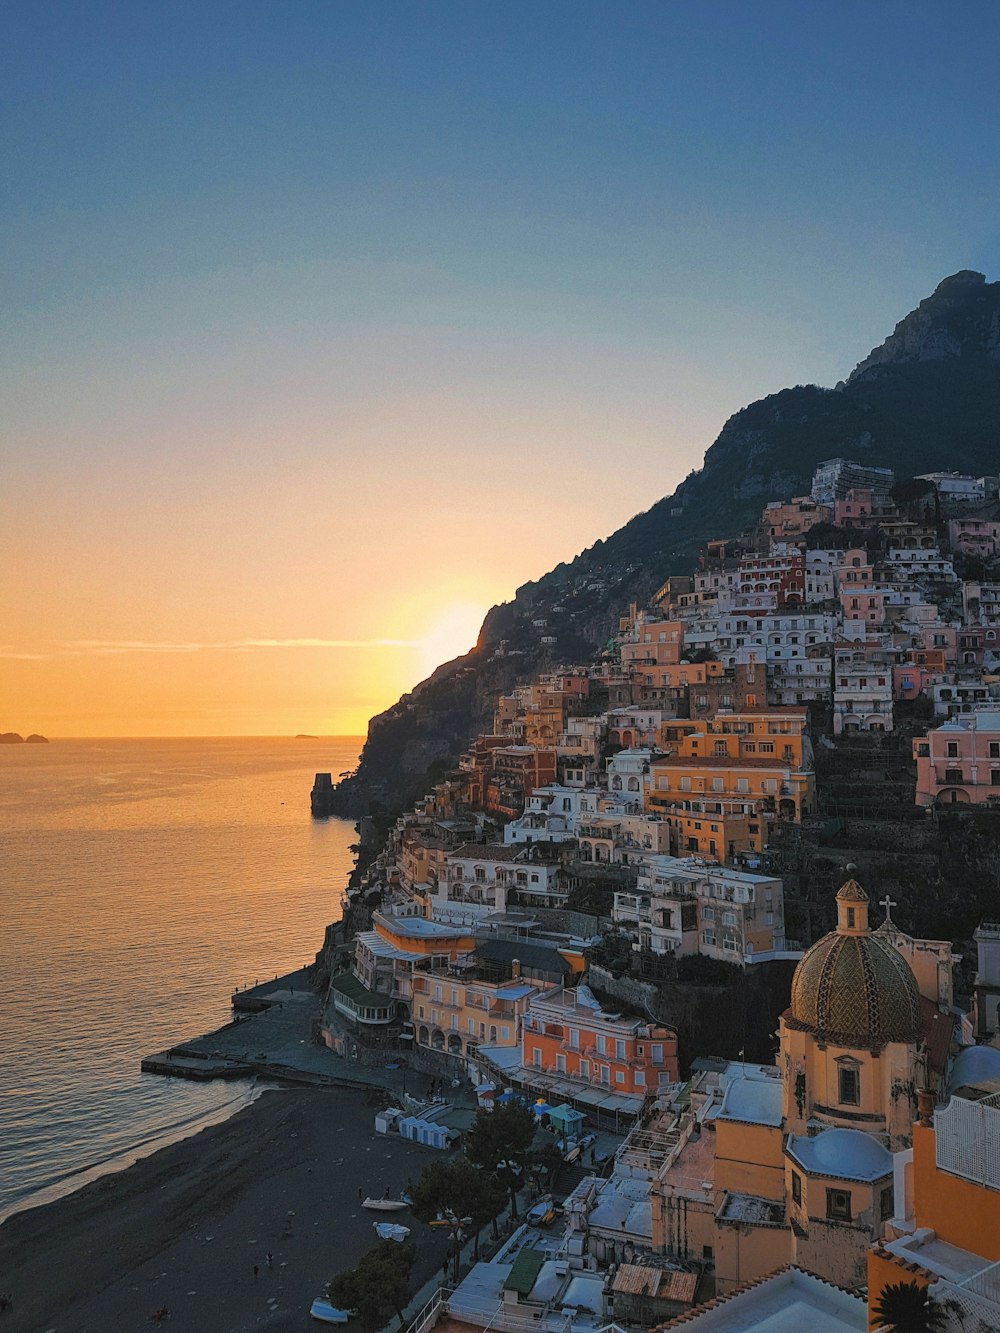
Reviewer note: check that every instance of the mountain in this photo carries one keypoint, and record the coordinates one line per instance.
(928, 398)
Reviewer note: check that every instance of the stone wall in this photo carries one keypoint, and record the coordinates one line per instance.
(736, 1020)
(562, 921)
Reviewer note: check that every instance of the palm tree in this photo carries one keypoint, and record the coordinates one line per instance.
(906, 1308)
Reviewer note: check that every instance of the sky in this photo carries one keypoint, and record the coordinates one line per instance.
(327, 325)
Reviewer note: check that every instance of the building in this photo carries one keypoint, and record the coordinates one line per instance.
(794, 1164)
(483, 878)
(568, 1033)
(456, 1013)
(834, 478)
(958, 763)
(956, 486)
(986, 992)
(786, 520)
(572, 1051)
(688, 906)
(945, 1231)
(862, 690)
(739, 771)
(790, 1298)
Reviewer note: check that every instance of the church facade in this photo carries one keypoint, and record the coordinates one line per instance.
(793, 1164)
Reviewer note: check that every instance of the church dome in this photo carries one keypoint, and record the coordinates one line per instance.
(852, 988)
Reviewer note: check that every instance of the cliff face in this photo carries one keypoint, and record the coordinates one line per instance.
(960, 319)
(927, 399)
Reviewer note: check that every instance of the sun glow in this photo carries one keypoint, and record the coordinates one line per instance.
(449, 635)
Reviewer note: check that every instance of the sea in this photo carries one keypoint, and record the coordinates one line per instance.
(141, 883)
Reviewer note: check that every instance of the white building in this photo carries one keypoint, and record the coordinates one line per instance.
(684, 905)
(482, 877)
(956, 485)
(862, 693)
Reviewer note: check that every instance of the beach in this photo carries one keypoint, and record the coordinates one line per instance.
(185, 1227)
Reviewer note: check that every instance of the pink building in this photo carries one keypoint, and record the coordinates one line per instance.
(855, 510)
(958, 763)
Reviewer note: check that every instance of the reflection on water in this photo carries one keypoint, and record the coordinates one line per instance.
(140, 883)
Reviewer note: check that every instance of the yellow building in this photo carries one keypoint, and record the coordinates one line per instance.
(794, 1163)
(740, 771)
(456, 1015)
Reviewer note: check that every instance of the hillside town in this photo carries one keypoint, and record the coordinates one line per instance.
(673, 901)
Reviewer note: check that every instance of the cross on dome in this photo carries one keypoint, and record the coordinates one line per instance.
(888, 904)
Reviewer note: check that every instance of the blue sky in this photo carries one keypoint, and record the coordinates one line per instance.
(265, 259)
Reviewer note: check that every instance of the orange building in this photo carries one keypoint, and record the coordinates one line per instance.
(567, 1034)
(946, 1228)
(737, 770)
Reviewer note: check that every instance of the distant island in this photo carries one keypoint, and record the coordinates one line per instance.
(15, 738)
(305, 736)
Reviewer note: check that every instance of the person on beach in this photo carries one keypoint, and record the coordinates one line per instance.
(270, 1259)
(256, 1270)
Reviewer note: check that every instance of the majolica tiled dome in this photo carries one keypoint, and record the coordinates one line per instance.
(853, 988)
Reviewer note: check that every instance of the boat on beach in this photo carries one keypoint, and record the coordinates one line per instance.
(391, 1231)
(326, 1313)
(386, 1205)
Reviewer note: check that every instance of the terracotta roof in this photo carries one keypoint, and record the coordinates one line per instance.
(666, 1284)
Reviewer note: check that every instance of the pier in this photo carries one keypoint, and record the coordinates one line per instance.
(271, 1037)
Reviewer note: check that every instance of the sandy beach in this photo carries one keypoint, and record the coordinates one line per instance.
(184, 1228)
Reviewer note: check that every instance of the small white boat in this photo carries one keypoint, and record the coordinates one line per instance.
(326, 1313)
(391, 1231)
(386, 1205)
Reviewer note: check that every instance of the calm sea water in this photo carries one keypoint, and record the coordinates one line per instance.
(140, 883)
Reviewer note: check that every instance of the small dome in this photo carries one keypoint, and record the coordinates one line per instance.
(849, 1154)
(852, 988)
(852, 892)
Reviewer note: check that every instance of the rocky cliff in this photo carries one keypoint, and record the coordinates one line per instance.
(927, 398)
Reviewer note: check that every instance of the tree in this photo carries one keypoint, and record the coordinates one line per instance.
(547, 1160)
(379, 1286)
(907, 1308)
(455, 1189)
(499, 1142)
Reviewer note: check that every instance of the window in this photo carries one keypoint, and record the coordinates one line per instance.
(600, 1042)
(560, 1064)
(536, 1056)
(995, 749)
(619, 1076)
(505, 1034)
(952, 749)
(640, 1079)
(838, 1205)
(656, 1053)
(470, 1026)
(953, 775)
(585, 1069)
(796, 1187)
(886, 1206)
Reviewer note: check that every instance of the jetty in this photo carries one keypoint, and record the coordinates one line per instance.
(272, 1036)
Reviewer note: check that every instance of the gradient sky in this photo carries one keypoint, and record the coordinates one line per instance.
(326, 325)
